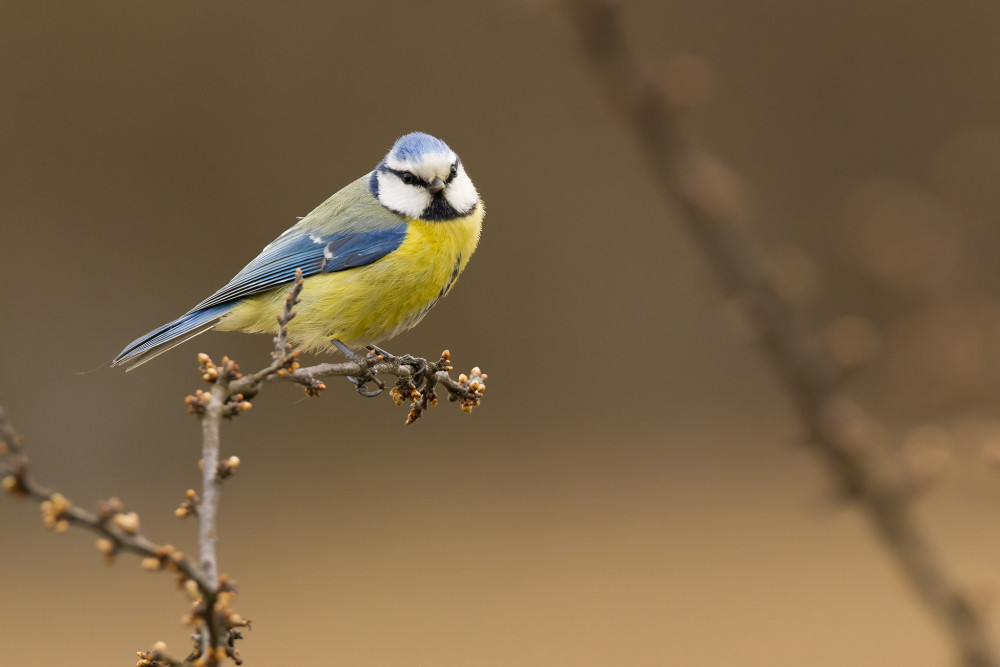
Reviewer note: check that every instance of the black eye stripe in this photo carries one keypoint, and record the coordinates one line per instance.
(403, 175)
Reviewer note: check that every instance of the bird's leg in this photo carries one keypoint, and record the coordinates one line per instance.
(361, 381)
(419, 364)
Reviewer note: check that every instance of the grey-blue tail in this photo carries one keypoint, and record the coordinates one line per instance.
(170, 335)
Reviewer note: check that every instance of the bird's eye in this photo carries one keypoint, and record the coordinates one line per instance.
(454, 169)
(408, 178)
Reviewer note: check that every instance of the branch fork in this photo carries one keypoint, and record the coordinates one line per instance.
(216, 626)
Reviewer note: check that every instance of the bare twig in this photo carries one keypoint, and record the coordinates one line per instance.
(208, 508)
(707, 194)
(217, 626)
(111, 523)
(118, 531)
(230, 395)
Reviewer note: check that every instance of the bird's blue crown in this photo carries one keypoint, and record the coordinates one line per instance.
(414, 145)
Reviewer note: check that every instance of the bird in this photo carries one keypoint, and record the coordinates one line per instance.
(375, 257)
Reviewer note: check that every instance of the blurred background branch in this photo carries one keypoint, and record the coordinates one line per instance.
(708, 197)
(631, 518)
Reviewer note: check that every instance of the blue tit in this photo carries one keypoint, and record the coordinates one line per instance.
(375, 256)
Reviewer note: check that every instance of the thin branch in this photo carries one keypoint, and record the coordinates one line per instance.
(111, 522)
(217, 626)
(118, 530)
(208, 508)
(706, 192)
(230, 396)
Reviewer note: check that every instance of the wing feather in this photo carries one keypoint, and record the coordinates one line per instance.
(275, 266)
(310, 252)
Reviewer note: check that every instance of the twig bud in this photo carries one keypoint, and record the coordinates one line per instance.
(128, 522)
(12, 485)
(191, 588)
(55, 512)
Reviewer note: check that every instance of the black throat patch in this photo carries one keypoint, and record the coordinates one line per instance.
(440, 209)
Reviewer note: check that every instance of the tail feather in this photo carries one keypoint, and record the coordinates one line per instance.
(170, 335)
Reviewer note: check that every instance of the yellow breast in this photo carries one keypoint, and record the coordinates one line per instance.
(374, 302)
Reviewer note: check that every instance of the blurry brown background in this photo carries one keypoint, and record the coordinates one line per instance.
(648, 503)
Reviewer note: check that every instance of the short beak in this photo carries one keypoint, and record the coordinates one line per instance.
(436, 186)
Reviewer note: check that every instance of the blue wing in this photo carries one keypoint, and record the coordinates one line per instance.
(313, 253)
(171, 334)
(310, 251)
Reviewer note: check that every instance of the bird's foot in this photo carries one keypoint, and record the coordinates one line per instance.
(366, 362)
(418, 364)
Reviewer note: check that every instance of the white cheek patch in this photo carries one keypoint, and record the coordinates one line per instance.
(461, 193)
(394, 194)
